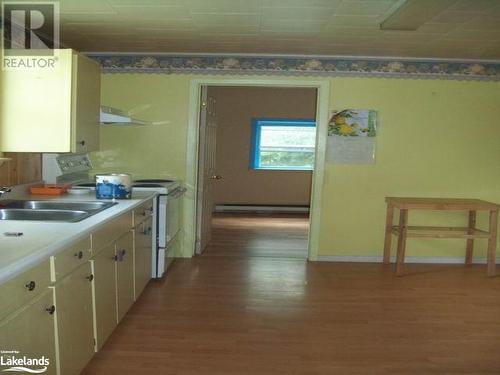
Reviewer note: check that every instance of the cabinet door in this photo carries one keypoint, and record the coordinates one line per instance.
(86, 104)
(142, 255)
(74, 320)
(30, 332)
(104, 293)
(36, 108)
(124, 274)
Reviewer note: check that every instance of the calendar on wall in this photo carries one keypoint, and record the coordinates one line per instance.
(351, 136)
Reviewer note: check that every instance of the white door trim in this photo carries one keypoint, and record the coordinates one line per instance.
(322, 108)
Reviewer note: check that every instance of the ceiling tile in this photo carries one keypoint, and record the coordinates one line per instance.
(296, 13)
(454, 17)
(474, 5)
(153, 12)
(468, 29)
(87, 6)
(364, 8)
(224, 6)
(301, 3)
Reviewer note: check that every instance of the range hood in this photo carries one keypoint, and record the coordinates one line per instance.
(110, 115)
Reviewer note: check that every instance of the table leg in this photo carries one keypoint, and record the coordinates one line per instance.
(470, 242)
(403, 226)
(492, 243)
(388, 234)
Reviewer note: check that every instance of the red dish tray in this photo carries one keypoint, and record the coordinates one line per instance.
(49, 189)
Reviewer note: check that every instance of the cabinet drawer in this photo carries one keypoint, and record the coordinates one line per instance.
(111, 231)
(30, 331)
(66, 261)
(23, 288)
(143, 212)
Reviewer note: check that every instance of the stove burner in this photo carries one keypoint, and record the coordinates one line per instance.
(147, 185)
(153, 180)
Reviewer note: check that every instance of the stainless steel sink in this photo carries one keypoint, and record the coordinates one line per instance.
(68, 216)
(50, 210)
(56, 205)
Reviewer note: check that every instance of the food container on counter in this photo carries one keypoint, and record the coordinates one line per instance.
(113, 186)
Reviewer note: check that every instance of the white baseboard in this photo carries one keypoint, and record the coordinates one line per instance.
(378, 259)
(256, 208)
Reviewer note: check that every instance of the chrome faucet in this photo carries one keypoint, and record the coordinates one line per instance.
(5, 189)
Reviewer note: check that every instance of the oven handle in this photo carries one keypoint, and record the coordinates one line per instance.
(176, 193)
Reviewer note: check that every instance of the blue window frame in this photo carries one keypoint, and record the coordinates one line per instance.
(283, 144)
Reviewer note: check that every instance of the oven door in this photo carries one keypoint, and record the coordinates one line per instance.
(173, 213)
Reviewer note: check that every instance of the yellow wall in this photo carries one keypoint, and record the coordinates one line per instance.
(157, 150)
(437, 138)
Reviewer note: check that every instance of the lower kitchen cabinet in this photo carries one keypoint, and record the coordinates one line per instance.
(143, 241)
(74, 320)
(30, 332)
(124, 274)
(104, 293)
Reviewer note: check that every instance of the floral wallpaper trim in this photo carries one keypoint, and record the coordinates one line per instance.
(330, 66)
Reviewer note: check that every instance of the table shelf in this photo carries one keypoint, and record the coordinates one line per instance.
(442, 232)
(469, 233)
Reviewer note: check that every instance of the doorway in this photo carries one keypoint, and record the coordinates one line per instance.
(194, 136)
(256, 159)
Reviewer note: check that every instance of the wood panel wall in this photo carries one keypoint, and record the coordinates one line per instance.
(23, 168)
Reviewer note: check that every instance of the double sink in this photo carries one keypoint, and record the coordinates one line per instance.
(55, 211)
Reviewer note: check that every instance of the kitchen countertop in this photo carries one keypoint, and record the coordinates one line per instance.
(41, 239)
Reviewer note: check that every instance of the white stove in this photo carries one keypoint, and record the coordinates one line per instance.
(166, 219)
(75, 169)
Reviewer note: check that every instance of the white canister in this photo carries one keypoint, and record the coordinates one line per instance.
(113, 186)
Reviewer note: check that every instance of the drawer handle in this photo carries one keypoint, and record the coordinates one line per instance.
(121, 254)
(31, 286)
(51, 310)
(90, 277)
(79, 255)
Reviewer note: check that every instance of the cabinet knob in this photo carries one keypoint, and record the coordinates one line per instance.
(31, 286)
(82, 143)
(51, 310)
(79, 255)
(121, 254)
(90, 277)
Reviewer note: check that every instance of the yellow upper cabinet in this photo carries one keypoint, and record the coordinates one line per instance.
(51, 110)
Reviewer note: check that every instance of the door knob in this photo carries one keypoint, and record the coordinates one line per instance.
(216, 177)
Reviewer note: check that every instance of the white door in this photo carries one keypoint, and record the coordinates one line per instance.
(206, 169)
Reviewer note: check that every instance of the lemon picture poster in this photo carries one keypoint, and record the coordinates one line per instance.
(351, 136)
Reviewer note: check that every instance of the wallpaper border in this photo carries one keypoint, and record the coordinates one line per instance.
(298, 66)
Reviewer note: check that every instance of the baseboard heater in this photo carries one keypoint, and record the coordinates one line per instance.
(260, 208)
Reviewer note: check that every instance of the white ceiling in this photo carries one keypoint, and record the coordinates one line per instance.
(466, 29)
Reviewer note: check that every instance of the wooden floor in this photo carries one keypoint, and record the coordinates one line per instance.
(248, 235)
(236, 315)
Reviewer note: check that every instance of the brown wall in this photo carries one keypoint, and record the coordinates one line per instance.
(236, 106)
(23, 168)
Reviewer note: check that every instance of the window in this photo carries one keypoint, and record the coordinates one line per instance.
(283, 144)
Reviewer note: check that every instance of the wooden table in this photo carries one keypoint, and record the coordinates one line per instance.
(403, 231)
